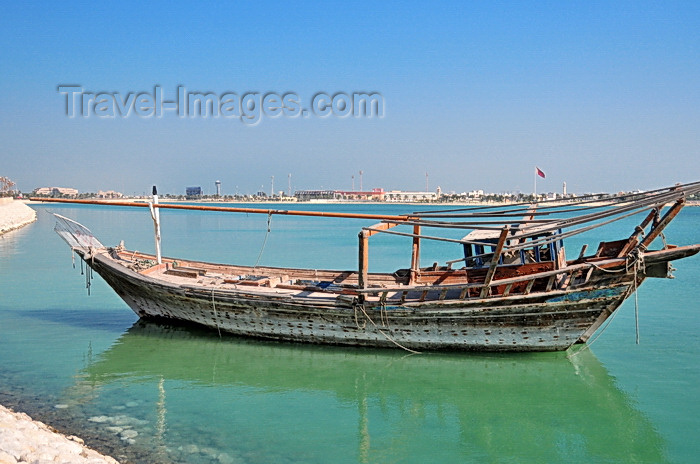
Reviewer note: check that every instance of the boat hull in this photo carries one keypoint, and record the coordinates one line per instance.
(544, 321)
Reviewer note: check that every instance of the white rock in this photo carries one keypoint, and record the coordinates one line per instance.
(224, 458)
(192, 449)
(25, 441)
(99, 419)
(121, 420)
(129, 433)
(7, 458)
(76, 439)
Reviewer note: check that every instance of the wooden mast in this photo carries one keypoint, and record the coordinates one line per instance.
(155, 215)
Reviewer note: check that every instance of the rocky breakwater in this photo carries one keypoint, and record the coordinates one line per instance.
(14, 214)
(25, 440)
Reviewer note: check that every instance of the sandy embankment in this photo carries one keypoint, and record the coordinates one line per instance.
(14, 214)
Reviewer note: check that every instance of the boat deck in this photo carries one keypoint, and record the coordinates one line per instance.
(430, 284)
(307, 283)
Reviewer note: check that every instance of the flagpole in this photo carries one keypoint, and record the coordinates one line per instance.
(535, 190)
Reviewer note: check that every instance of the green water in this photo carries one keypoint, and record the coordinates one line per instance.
(150, 393)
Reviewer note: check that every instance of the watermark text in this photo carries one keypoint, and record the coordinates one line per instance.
(248, 107)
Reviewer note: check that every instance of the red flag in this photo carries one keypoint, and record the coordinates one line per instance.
(539, 172)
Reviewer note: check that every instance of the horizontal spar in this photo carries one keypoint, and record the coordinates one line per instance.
(378, 217)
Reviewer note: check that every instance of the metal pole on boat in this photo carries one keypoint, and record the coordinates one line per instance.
(155, 214)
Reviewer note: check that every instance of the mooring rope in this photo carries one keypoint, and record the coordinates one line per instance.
(638, 266)
(269, 220)
(388, 337)
(87, 280)
(383, 315)
(608, 270)
(357, 323)
(587, 346)
(88, 269)
(216, 316)
(636, 301)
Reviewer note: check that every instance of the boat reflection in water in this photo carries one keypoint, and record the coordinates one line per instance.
(187, 391)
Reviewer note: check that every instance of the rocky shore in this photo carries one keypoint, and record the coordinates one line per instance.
(14, 214)
(25, 440)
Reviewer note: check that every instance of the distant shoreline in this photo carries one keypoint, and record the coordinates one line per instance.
(320, 202)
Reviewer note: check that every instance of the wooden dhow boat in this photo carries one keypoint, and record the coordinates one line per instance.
(511, 288)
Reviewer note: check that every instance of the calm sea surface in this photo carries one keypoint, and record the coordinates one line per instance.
(151, 393)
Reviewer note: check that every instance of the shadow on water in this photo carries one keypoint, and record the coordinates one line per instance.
(110, 320)
(263, 402)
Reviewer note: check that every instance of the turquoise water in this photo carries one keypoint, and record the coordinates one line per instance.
(151, 393)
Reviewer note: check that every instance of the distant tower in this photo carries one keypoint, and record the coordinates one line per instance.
(218, 188)
(353, 182)
(426, 182)
(361, 181)
(289, 184)
(564, 190)
(272, 186)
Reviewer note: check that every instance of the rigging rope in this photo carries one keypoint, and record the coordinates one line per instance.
(216, 316)
(262, 248)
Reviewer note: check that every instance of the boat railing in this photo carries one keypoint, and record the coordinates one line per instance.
(564, 275)
(540, 227)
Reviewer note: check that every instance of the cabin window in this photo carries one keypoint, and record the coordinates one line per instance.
(536, 254)
(540, 253)
(479, 250)
(479, 255)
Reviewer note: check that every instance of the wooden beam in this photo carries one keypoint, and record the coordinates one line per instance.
(528, 287)
(634, 238)
(494, 262)
(583, 251)
(377, 228)
(363, 259)
(415, 255)
(658, 228)
(506, 292)
(378, 217)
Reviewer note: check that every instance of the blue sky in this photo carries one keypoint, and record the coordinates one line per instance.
(603, 96)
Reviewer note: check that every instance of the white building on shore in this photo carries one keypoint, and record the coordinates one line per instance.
(412, 197)
(109, 194)
(376, 194)
(55, 191)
